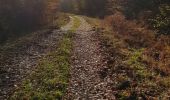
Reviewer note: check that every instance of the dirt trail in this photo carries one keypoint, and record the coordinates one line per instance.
(86, 82)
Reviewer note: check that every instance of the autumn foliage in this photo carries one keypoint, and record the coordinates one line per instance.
(136, 36)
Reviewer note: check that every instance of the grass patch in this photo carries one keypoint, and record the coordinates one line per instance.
(76, 24)
(50, 79)
(134, 62)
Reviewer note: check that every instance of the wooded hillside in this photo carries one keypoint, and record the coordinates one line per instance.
(86, 7)
(20, 16)
(156, 13)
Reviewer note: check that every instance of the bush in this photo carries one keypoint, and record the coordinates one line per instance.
(135, 36)
(130, 31)
(162, 21)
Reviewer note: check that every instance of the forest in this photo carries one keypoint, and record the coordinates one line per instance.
(31, 14)
(154, 12)
(18, 17)
(84, 49)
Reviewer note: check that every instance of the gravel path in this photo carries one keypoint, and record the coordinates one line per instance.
(86, 82)
(19, 61)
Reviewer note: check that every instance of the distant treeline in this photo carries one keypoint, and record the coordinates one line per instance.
(87, 7)
(20, 16)
(155, 12)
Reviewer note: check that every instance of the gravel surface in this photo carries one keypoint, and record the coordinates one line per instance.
(19, 61)
(86, 82)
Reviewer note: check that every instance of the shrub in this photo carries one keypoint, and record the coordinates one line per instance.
(136, 36)
(162, 21)
(130, 31)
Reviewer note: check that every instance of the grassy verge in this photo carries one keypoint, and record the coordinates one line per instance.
(50, 79)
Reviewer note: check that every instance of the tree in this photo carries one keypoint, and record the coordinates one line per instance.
(87, 7)
(162, 20)
(20, 16)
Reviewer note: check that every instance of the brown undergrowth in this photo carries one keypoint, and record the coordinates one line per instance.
(138, 59)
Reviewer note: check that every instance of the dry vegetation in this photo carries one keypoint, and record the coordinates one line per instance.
(134, 34)
(139, 60)
(156, 52)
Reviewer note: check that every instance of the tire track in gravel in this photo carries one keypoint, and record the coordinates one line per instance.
(87, 61)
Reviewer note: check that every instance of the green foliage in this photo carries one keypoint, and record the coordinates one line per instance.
(135, 63)
(144, 10)
(162, 21)
(135, 56)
